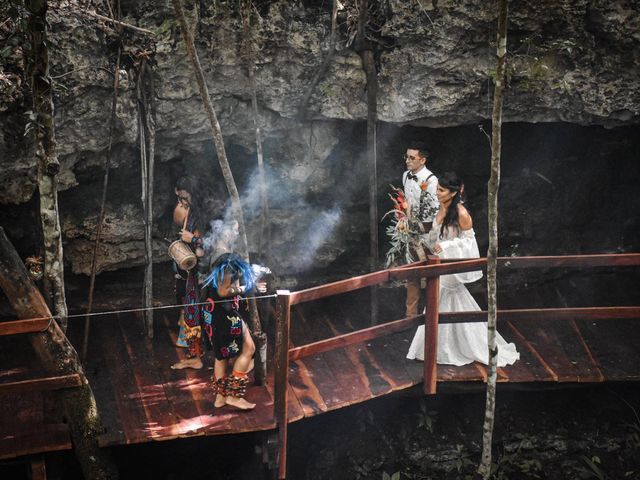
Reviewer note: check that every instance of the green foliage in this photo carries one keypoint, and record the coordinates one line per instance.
(592, 469)
(395, 476)
(426, 418)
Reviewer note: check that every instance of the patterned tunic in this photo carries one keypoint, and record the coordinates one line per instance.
(223, 322)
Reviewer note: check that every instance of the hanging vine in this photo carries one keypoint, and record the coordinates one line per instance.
(248, 47)
(147, 138)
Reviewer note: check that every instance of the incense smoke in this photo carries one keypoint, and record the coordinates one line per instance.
(317, 229)
(322, 227)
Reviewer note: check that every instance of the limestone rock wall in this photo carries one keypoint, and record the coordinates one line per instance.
(576, 62)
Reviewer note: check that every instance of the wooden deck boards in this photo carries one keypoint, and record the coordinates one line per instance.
(550, 351)
(141, 399)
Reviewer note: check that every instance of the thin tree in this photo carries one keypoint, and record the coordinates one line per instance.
(484, 468)
(265, 231)
(48, 164)
(218, 142)
(302, 111)
(365, 49)
(103, 203)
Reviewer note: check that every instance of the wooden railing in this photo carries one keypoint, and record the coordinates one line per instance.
(431, 270)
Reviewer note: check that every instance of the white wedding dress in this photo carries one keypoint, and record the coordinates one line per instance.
(460, 343)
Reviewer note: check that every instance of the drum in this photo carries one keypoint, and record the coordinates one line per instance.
(182, 255)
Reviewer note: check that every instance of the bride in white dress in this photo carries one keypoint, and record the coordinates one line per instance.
(452, 236)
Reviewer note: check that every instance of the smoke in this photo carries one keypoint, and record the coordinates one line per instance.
(319, 231)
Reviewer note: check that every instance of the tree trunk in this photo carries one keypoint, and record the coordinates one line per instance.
(218, 142)
(494, 182)
(265, 229)
(365, 50)
(146, 129)
(302, 112)
(103, 202)
(48, 165)
(58, 357)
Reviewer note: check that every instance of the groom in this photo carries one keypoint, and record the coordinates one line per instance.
(416, 179)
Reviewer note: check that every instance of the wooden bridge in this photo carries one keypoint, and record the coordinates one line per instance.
(325, 356)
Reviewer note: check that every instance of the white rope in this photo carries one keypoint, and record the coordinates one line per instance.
(161, 307)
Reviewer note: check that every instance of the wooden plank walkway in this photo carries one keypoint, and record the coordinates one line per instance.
(141, 399)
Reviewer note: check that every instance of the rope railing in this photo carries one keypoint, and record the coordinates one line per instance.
(39, 320)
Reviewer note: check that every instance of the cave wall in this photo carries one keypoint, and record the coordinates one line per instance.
(569, 156)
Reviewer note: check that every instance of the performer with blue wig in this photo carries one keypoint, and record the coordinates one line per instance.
(230, 278)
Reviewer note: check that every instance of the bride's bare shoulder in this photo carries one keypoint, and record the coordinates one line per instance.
(464, 218)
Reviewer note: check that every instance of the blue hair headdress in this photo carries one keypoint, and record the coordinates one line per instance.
(231, 264)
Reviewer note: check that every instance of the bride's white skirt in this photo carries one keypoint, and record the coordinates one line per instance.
(461, 343)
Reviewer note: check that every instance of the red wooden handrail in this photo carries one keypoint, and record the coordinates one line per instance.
(432, 272)
(16, 327)
(378, 331)
(437, 269)
(419, 270)
(352, 338)
(41, 384)
(341, 286)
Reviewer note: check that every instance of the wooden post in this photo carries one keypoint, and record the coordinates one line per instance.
(432, 302)
(38, 468)
(281, 377)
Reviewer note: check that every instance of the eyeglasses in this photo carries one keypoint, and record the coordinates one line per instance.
(406, 157)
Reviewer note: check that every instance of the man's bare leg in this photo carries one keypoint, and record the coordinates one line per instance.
(241, 367)
(219, 372)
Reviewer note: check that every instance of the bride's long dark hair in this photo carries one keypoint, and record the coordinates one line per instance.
(451, 182)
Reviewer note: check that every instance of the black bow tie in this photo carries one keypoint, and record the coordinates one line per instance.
(412, 176)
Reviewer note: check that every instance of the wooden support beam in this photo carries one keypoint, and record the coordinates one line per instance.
(41, 384)
(38, 468)
(579, 313)
(16, 327)
(432, 307)
(281, 377)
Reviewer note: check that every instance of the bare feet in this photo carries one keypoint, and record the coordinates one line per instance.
(239, 403)
(188, 363)
(220, 401)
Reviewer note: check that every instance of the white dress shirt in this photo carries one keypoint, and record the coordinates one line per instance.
(412, 188)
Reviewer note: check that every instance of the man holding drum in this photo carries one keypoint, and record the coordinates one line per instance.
(187, 215)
